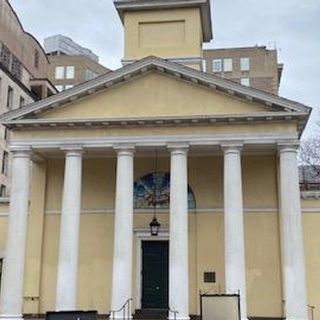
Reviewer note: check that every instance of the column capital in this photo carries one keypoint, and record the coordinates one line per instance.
(72, 150)
(288, 146)
(21, 151)
(178, 148)
(124, 149)
(231, 147)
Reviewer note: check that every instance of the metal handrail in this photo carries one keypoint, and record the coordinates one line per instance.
(312, 311)
(124, 310)
(174, 313)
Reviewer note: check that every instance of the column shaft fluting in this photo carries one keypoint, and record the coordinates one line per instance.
(66, 296)
(123, 231)
(14, 262)
(293, 264)
(235, 271)
(178, 255)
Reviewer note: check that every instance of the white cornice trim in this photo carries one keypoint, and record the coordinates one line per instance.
(193, 120)
(152, 141)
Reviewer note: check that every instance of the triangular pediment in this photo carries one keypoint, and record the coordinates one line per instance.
(158, 89)
(154, 95)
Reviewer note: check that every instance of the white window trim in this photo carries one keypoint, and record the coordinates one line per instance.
(220, 61)
(245, 66)
(225, 60)
(245, 82)
(70, 72)
(57, 76)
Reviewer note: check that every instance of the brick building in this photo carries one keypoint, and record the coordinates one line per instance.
(257, 67)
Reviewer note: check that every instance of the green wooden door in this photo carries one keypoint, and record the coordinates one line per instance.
(155, 274)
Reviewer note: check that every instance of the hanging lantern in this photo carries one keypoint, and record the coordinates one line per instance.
(154, 226)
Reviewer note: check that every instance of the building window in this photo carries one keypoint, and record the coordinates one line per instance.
(90, 74)
(153, 190)
(59, 88)
(22, 102)
(70, 72)
(36, 59)
(245, 82)
(16, 68)
(6, 134)
(9, 98)
(227, 65)
(69, 86)
(5, 57)
(217, 65)
(5, 160)
(2, 190)
(59, 72)
(245, 64)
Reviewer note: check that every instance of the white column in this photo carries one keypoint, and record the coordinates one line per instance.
(234, 243)
(66, 298)
(293, 265)
(178, 253)
(13, 272)
(123, 232)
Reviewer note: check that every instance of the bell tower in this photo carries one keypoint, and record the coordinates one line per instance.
(170, 29)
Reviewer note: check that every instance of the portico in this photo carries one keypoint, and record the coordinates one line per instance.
(126, 154)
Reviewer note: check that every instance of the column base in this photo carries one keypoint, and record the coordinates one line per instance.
(11, 317)
(120, 317)
(178, 318)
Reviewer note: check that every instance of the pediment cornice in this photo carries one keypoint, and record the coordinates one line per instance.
(278, 106)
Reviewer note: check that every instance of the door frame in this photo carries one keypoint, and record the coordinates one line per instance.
(144, 235)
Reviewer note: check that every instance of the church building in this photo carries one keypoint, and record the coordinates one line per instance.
(210, 163)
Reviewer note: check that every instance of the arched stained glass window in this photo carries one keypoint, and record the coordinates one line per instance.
(154, 190)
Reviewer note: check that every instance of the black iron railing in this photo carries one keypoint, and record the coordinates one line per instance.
(311, 312)
(174, 312)
(125, 310)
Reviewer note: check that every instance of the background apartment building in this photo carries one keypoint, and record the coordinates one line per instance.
(256, 67)
(23, 77)
(70, 63)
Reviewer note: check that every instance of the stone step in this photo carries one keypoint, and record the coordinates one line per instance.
(150, 314)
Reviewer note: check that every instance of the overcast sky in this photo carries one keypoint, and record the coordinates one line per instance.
(293, 26)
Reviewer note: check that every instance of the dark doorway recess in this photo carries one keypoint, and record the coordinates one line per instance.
(155, 274)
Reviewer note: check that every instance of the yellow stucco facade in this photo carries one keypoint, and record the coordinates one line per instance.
(166, 33)
(155, 105)
(205, 233)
